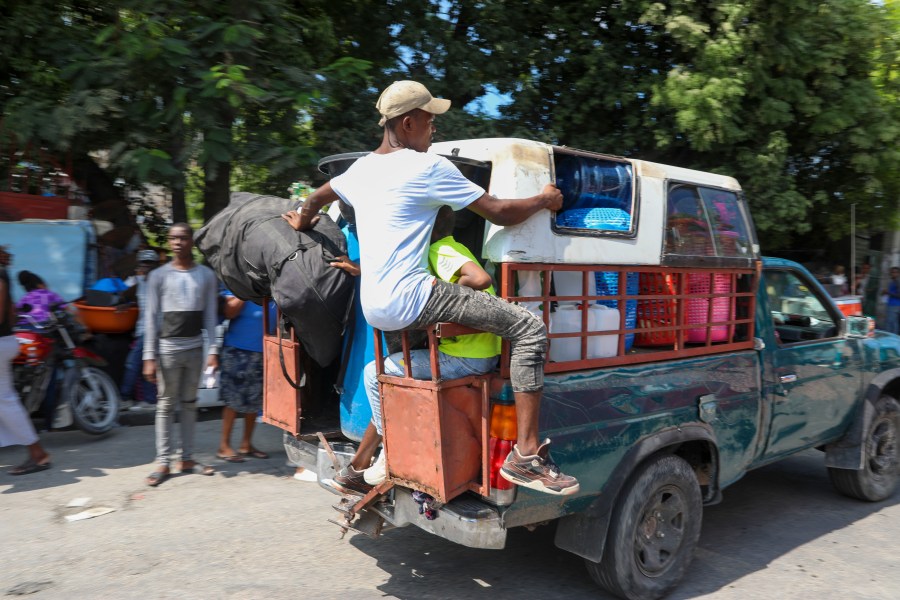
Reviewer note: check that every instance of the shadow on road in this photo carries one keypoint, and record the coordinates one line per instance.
(769, 513)
(76, 455)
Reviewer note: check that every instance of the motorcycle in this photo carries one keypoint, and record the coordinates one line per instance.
(54, 349)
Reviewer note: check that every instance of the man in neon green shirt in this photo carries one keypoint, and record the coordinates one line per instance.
(460, 356)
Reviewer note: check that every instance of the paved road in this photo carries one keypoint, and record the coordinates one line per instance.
(251, 531)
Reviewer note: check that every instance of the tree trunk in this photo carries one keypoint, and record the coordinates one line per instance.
(176, 151)
(179, 206)
(107, 201)
(216, 190)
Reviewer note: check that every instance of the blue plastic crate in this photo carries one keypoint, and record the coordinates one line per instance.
(608, 285)
(601, 219)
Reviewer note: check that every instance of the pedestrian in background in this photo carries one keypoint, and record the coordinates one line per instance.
(241, 376)
(15, 425)
(136, 388)
(182, 301)
(867, 288)
(893, 301)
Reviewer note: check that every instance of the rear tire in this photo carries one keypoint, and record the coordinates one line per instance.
(653, 532)
(880, 474)
(94, 400)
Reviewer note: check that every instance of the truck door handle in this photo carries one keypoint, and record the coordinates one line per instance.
(789, 378)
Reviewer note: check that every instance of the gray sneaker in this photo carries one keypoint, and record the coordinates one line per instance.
(538, 472)
(351, 481)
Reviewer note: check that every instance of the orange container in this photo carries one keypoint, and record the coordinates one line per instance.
(107, 319)
(850, 306)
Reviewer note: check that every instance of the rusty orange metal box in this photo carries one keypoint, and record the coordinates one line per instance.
(281, 370)
(436, 434)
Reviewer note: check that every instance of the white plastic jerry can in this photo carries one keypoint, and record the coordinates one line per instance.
(567, 319)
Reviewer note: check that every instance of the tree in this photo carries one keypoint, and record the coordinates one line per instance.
(777, 93)
(161, 86)
(795, 98)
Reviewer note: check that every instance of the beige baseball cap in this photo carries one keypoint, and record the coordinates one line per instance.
(403, 96)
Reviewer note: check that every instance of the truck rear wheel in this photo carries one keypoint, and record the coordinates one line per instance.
(878, 478)
(654, 531)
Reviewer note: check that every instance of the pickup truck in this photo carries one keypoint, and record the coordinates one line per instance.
(660, 422)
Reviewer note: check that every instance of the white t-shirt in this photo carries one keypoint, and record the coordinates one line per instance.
(396, 197)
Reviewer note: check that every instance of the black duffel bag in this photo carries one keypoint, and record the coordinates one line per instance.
(257, 254)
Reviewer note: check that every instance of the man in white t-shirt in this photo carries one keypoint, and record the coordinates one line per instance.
(396, 192)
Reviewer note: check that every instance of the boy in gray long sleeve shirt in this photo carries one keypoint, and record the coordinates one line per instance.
(181, 302)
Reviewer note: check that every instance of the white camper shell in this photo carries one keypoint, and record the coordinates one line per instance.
(617, 211)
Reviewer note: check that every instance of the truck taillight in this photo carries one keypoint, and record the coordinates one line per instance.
(503, 437)
(503, 421)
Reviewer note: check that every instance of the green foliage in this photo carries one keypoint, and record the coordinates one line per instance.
(797, 99)
(777, 93)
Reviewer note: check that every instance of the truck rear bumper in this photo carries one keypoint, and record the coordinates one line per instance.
(465, 520)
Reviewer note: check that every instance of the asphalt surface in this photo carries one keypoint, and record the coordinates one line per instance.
(252, 531)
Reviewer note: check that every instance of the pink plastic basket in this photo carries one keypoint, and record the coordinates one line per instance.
(698, 308)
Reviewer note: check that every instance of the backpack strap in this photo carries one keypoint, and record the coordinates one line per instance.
(350, 323)
(294, 384)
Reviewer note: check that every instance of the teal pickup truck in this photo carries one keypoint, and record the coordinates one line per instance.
(714, 361)
(653, 443)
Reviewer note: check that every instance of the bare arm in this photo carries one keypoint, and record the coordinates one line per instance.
(306, 217)
(513, 212)
(233, 306)
(344, 262)
(473, 276)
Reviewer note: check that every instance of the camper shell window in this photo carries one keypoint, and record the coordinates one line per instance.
(598, 195)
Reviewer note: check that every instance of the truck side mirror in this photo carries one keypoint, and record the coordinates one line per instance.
(860, 327)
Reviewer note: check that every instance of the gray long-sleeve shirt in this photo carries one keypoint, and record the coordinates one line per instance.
(179, 305)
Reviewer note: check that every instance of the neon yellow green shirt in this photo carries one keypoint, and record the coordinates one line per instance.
(445, 258)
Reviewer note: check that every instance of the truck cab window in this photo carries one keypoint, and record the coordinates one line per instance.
(798, 313)
(706, 222)
(687, 225)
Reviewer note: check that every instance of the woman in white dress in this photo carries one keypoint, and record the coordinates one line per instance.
(15, 425)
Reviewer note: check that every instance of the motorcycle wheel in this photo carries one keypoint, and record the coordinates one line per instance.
(94, 399)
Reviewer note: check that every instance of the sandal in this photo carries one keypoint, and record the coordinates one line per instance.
(232, 458)
(28, 467)
(255, 454)
(198, 468)
(156, 477)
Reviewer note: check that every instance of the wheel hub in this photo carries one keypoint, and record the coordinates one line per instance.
(883, 449)
(660, 532)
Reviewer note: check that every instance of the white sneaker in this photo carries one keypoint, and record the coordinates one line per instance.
(143, 407)
(302, 474)
(376, 473)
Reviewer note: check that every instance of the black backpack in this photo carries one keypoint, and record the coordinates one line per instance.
(257, 254)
